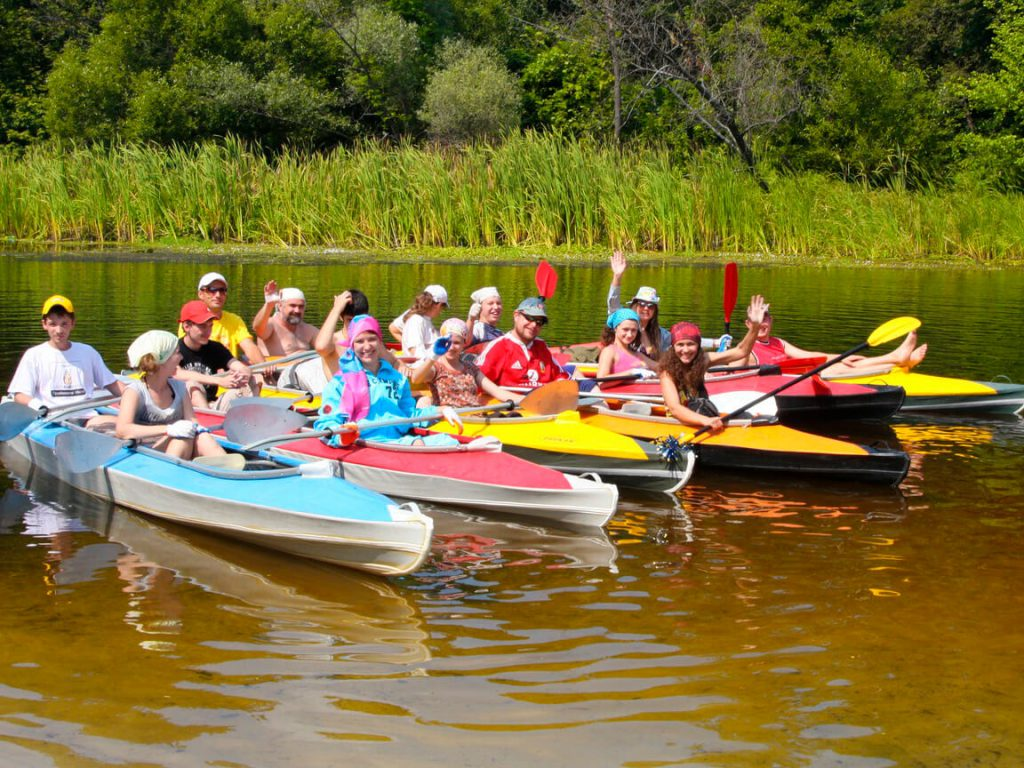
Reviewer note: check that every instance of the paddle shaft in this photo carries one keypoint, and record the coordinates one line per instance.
(292, 359)
(796, 380)
(276, 439)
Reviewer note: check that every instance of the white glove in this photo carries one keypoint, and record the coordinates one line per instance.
(448, 414)
(644, 373)
(474, 311)
(182, 429)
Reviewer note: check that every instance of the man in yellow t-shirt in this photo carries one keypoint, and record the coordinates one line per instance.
(228, 328)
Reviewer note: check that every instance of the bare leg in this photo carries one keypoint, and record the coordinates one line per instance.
(206, 445)
(179, 448)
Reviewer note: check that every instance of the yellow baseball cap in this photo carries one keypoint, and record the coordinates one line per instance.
(58, 301)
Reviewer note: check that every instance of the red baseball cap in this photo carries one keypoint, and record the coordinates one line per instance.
(196, 312)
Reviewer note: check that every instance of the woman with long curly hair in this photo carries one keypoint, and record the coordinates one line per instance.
(685, 363)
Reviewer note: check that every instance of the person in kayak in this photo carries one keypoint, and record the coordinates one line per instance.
(685, 363)
(520, 358)
(770, 350)
(415, 327)
(202, 359)
(60, 371)
(618, 354)
(280, 325)
(228, 328)
(156, 408)
(367, 389)
(484, 315)
(652, 339)
(460, 383)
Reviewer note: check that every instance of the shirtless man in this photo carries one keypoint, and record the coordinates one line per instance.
(284, 331)
(228, 328)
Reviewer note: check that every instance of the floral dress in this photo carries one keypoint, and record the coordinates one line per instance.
(455, 388)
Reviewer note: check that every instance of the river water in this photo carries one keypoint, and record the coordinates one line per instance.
(744, 622)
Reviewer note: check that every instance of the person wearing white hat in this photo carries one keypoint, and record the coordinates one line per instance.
(60, 371)
(228, 328)
(484, 315)
(156, 408)
(418, 332)
(280, 324)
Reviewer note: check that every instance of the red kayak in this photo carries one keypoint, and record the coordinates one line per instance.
(476, 474)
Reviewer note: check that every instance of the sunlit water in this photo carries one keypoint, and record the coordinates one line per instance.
(746, 622)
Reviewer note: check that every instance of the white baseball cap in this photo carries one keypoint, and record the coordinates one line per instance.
(437, 293)
(211, 277)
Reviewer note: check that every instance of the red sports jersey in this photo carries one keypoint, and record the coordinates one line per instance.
(510, 363)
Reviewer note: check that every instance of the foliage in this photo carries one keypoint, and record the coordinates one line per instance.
(471, 95)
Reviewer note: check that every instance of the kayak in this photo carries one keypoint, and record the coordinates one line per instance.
(810, 400)
(940, 393)
(563, 442)
(461, 475)
(297, 508)
(763, 447)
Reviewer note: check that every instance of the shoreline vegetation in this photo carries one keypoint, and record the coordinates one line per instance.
(531, 193)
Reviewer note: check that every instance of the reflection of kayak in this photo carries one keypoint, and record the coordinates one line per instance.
(812, 399)
(564, 443)
(459, 475)
(768, 447)
(940, 393)
(301, 510)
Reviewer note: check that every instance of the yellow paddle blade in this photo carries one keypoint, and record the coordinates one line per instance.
(894, 329)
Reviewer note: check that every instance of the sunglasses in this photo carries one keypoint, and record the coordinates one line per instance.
(216, 290)
(645, 304)
(541, 321)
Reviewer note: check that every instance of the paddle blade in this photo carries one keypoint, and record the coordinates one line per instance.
(234, 461)
(894, 329)
(547, 280)
(732, 286)
(83, 451)
(14, 417)
(552, 398)
(254, 422)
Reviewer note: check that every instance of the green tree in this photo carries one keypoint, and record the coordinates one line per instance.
(470, 95)
(568, 88)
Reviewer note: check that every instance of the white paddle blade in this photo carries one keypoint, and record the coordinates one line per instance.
(83, 451)
(254, 422)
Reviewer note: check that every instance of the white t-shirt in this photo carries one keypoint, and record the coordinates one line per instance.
(418, 336)
(59, 377)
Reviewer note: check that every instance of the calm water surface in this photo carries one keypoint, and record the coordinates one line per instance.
(745, 622)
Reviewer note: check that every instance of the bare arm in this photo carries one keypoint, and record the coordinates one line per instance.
(618, 264)
(251, 351)
(261, 323)
(605, 361)
(498, 393)
(755, 313)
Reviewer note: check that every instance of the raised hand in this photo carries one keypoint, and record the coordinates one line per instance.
(618, 263)
(270, 293)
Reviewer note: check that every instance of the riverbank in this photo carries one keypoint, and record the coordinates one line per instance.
(530, 196)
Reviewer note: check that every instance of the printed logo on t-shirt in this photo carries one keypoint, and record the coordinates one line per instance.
(517, 366)
(67, 383)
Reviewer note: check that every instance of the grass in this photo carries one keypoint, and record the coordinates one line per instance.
(529, 192)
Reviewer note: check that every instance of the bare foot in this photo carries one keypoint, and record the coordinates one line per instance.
(917, 355)
(902, 354)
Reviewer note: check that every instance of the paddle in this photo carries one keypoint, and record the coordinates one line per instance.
(546, 279)
(255, 425)
(81, 450)
(893, 329)
(15, 417)
(789, 365)
(729, 294)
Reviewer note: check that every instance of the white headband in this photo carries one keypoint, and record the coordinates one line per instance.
(292, 294)
(480, 295)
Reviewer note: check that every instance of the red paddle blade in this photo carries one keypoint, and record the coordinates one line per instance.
(547, 280)
(732, 286)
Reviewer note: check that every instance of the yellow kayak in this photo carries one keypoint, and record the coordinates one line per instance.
(942, 393)
(764, 447)
(564, 442)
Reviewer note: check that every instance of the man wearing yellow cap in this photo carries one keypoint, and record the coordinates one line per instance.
(60, 371)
